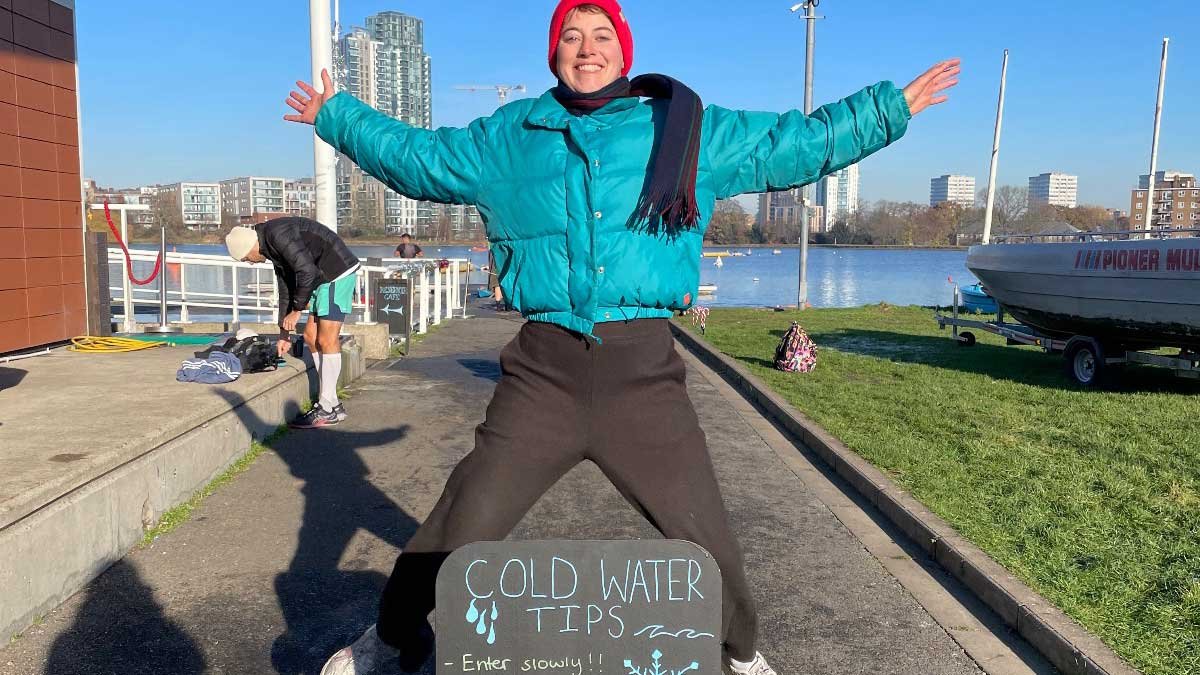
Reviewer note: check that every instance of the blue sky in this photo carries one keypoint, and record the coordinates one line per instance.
(194, 90)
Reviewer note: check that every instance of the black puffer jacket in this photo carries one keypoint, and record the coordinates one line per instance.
(306, 254)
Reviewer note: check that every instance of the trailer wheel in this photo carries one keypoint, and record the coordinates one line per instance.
(1085, 362)
(966, 339)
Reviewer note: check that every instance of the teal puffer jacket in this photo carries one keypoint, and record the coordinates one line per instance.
(557, 192)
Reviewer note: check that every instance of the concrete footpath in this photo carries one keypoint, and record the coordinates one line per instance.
(96, 447)
(284, 565)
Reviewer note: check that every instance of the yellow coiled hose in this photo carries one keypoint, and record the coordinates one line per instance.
(110, 345)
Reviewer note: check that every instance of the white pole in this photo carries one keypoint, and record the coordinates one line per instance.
(323, 156)
(126, 285)
(437, 296)
(236, 310)
(183, 308)
(991, 193)
(466, 287)
(810, 17)
(423, 291)
(368, 308)
(1162, 82)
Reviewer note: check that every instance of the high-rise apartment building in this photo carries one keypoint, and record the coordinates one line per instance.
(250, 197)
(1161, 177)
(385, 66)
(837, 194)
(404, 81)
(300, 198)
(199, 204)
(359, 66)
(1176, 204)
(954, 189)
(1054, 189)
(781, 213)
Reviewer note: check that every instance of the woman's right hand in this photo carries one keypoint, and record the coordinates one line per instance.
(308, 106)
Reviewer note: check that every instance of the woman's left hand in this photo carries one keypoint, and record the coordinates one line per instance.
(926, 89)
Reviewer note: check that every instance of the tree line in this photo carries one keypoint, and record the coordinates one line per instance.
(889, 223)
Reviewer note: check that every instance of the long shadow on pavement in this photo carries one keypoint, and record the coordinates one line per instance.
(488, 369)
(329, 594)
(11, 377)
(120, 628)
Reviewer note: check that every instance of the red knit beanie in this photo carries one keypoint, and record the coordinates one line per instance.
(613, 9)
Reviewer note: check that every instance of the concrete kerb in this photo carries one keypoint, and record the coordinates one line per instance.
(1066, 644)
(55, 550)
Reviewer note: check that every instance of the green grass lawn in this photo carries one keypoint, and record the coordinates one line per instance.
(1091, 497)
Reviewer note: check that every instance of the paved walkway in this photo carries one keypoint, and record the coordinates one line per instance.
(285, 564)
(66, 418)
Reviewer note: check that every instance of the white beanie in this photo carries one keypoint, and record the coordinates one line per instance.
(240, 241)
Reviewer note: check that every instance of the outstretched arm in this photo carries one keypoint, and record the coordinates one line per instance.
(760, 152)
(442, 165)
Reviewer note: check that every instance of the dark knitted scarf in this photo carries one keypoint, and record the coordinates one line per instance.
(669, 200)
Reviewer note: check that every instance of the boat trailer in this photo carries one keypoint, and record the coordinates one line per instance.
(1086, 360)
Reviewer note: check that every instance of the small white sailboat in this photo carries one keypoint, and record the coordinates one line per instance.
(720, 262)
(776, 252)
(707, 289)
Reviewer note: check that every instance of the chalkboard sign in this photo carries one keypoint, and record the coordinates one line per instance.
(646, 607)
(393, 305)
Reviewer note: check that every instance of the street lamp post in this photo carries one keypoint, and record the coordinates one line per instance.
(810, 18)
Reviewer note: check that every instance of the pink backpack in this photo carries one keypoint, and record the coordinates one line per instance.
(796, 353)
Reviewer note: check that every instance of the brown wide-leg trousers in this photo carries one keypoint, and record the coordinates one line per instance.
(562, 399)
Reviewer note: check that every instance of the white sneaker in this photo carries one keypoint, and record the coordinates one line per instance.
(758, 666)
(364, 656)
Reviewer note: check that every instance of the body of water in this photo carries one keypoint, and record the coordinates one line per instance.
(837, 277)
(758, 278)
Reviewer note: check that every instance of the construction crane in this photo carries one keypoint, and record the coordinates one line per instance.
(502, 90)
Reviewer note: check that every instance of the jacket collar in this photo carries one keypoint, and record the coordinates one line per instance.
(548, 113)
(264, 243)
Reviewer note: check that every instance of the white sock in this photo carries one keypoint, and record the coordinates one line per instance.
(317, 361)
(331, 368)
(740, 666)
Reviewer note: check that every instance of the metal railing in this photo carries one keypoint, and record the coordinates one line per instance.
(223, 289)
(1118, 235)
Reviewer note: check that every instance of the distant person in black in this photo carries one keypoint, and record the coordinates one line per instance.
(407, 249)
(316, 271)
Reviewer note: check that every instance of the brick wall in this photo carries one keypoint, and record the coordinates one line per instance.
(42, 296)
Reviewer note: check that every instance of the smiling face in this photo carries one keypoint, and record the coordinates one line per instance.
(589, 53)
